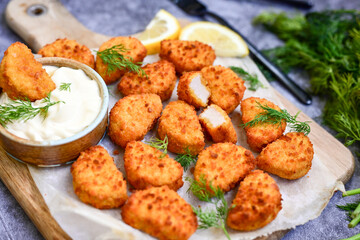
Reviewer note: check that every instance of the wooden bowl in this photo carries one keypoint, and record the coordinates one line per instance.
(60, 152)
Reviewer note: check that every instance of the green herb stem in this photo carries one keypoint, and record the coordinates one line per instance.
(351, 192)
(355, 237)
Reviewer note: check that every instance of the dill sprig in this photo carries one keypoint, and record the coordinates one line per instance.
(17, 110)
(186, 159)
(210, 218)
(275, 117)
(252, 79)
(115, 60)
(65, 87)
(159, 145)
(352, 209)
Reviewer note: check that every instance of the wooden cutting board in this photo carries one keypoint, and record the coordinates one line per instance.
(40, 22)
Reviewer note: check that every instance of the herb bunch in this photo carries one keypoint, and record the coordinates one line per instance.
(352, 209)
(159, 145)
(326, 44)
(252, 79)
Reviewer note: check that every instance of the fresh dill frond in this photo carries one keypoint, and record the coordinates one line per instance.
(115, 60)
(275, 117)
(349, 207)
(252, 79)
(65, 87)
(17, 110)
(186, 159)
(159, 144)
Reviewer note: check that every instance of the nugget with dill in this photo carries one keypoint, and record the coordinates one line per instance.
(132, 117)
(160, 212)
(159, 78)
(146, 166)
(180, 124)
(97, 181)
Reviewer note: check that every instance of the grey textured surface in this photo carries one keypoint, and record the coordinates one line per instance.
(115, 17)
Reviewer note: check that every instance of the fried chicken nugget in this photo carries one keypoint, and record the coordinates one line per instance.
(97, 181)
(22, 77)
(160, 79)
(160, 212)
(261, 134)
(187, 55)
(67, 48)
(227, 89)
(181, 125)
(146, 166)
(135, 50)
(257, 202)
(288, 157)
(223, 165)
(218, 124)
(132, 117)
(192, 88)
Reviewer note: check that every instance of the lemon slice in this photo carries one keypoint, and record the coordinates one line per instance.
(162, 26)
(226, 42)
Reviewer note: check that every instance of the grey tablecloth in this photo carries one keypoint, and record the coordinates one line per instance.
(118, 17)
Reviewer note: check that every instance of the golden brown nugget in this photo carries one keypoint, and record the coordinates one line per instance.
(261, 134)
(135, 50)
(160, 212)
(132, 117)
(22, 77)
(288, 157)
(257, 202)
(160, 79)
(223, 165)
(217, 123)
(181, 125)
(97, 181)
(187, 55)
(67, 48)
(146, 166)
(192, 88)
(227, 89)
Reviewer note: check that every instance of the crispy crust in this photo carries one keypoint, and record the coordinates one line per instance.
(223, 133)
(181, 125)
(97, 181)
(145, 167)
(22, 76)
(227, 89)
(257, 202)
(288, 157)
(161, 79)
(68, 49)
(132, 117)
(261, 134)
(137, 52)
(187, 55)
(224, 165)
(160, 212)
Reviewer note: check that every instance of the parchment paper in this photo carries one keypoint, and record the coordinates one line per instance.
(303, 199)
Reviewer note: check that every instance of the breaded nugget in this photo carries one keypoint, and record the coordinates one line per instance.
(223, 165)
(192, 88)
(135, 50)
(146, 166)
(22, 77)
(132, 117)
(187, 55)
(257, 202)
(97, 181)
(160, 212)
(218, 124)
(261, 134)
(67, 48)
(160, 79)
(227, 89)
(288, 157)
(181, 125)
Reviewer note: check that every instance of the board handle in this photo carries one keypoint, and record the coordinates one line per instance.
(39, 22)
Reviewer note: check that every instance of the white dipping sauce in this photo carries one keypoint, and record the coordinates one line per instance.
(81, 106)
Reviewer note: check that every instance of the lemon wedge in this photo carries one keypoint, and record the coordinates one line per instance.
(162, 26)
(225, 42)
